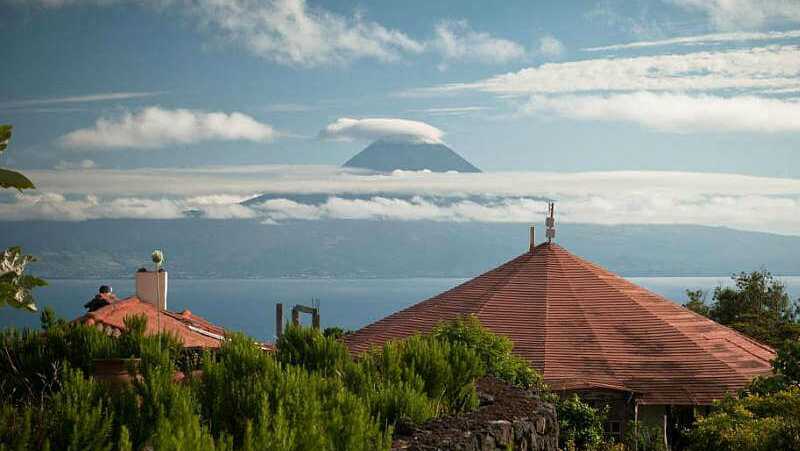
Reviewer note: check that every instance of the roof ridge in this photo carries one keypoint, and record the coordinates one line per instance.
(597, 341)
(494, 288)
(589, 265)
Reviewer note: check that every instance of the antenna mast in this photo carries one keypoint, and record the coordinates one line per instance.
(550, 222)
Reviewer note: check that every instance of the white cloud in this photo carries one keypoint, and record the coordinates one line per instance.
(753, 68)
(286, 31)
(56, 206)
(705, 39)
(550, 47)
(381, 128)
(738, 14)
(450, 111)
(749, 212)
(78, 99)
(631, 197)
(677, 112)
(290, 32)
(155, 127)
(82, 164)
(456, 41)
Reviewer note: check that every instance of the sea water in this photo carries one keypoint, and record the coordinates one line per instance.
(249, 305)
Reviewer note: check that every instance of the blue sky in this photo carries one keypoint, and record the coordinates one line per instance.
(95, 86)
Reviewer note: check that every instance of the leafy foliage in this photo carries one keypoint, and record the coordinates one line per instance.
(758, 306)
(9, 178)
(764, 417)
(15, 285)
(757, 422)
(580, 425)
(309, 394)
(493, 350)
(641, 437)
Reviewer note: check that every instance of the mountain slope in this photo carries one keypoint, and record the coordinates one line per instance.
(355, 248)
(386, 156)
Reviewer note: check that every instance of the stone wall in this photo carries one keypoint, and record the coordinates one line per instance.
(508, 418)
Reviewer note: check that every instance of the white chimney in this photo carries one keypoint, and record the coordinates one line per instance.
(151, 287)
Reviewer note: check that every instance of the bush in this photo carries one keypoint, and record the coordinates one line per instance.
(493, 350)
(252, 397)
(308, 395)
(79, 418)
(580, 425)
(757, 422)
(641, 437)
(312, 350)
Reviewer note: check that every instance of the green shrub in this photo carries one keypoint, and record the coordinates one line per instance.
(580, 425)
(445, 372)
(757, 422)
(308, 395)
(312, 350)
(79, 418)
(641, 437)
(256, 399)
(493, 350)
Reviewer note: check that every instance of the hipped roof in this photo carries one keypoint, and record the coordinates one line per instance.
(585, 327)
(190, 329)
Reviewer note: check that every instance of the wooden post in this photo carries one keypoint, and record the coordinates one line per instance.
(279, 319)
(295, 316)
(315, 319)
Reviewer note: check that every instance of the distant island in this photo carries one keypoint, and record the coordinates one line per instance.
(385, 155)
(207, 248)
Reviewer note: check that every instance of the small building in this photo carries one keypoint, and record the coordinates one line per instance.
(150, 301)
(591, 332)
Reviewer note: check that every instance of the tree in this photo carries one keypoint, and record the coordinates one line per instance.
(763, 417)
(15, 285)
(9, 178)
(697, 302)
(758, 306)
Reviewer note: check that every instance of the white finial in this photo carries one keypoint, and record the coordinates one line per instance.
(550, 222)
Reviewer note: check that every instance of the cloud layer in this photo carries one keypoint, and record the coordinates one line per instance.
(78, 99)
(705, 39)
(738, 14)
(632, 197)
(677, 112)
(370, 129)
(743, 69)
(155, 127)
(455, 40)
(290, 32)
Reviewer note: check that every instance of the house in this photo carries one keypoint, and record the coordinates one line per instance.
(591, 332)
(150, 301)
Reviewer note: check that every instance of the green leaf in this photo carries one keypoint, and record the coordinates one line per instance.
(15, 285)
(5, 136)
(13, 179)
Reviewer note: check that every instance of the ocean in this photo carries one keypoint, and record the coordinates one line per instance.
(249, 305)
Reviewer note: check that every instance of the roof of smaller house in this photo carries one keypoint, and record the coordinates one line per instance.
(191, 329)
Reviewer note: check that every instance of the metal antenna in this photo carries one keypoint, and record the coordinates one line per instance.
(550, 222)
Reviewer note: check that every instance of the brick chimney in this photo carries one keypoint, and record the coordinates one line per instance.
(151, 287)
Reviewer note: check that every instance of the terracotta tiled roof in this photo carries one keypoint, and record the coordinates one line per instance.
(585, 327)
(193, 330)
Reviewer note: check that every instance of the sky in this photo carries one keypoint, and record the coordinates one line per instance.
(662, 111)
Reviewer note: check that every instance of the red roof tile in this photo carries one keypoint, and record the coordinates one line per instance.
(585, 327)
(192, 330)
